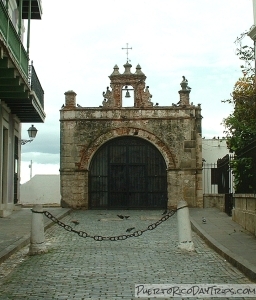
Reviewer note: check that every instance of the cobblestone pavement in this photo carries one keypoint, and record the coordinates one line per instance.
(82, 268)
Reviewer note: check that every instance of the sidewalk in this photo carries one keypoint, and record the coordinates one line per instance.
(226, 237)
(15, 229)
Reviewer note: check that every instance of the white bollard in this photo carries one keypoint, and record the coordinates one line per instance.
(37, 240)
(184, 227)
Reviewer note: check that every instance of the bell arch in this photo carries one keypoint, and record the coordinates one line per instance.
(113, 98)
(128, 95)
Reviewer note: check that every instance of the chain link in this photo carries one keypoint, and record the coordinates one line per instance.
(108, 238)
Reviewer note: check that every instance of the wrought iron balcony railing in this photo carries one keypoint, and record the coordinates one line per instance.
(36, 85)
(12, 40)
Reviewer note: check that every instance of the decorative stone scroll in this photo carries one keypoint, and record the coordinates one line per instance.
(108, 98)
(143, 96)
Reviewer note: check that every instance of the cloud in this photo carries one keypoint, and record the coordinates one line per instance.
(78, 47)
(47, 139)
(41, 158)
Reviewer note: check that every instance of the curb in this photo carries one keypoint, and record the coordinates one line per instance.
(241, 264)
(24, 241)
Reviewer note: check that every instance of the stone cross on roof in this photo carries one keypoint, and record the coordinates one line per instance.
(127, 48)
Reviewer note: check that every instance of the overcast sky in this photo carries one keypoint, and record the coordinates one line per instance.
(76, 45)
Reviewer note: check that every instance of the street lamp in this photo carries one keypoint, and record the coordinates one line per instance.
(32, 131)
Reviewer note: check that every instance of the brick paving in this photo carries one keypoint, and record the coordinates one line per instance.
(15, 229)
(82, 268)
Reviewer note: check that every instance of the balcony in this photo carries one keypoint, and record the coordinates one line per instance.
(36, 9)
(20, 87)
(252, 33)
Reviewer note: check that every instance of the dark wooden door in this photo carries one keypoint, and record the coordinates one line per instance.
(128, 173)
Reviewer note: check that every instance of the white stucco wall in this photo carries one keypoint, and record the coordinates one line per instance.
(213, 149)
(41, 189)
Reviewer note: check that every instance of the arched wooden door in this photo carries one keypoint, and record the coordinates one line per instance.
(128, 173)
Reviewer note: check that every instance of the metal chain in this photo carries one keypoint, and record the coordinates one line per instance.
(108, 238)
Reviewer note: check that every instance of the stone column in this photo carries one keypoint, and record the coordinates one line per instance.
(199, 162)
(70, 99)
(173, 188)
(184, 92)
(184, 227)
(184, 97)
(37, 240)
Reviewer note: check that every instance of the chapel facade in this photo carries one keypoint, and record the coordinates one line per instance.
(142, 157)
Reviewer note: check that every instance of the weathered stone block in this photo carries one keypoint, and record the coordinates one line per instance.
(193, 153)
(185, 164)
(251, 204)
(193, 163)
(189, 144)
(249, 222)
(193, 135)
(240, 203)
(239, 217)
(255, 224)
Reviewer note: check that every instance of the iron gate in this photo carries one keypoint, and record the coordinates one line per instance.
(225, 182)
(128, 173)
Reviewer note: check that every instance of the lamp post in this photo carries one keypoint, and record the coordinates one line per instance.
(30, 166)
(32, 131)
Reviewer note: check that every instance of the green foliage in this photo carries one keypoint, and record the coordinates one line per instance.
(242, 169)
(246, 54)
(240, 125)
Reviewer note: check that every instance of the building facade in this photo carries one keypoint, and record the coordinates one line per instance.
(213, 151)
(41, 188)
(21, 94)
(141, 157)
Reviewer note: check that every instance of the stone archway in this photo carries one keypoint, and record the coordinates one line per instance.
(87, 153)
(128, 173)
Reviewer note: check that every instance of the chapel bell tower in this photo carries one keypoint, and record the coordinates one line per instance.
(120, 82)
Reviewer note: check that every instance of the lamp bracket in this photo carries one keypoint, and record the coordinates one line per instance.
(24, 142)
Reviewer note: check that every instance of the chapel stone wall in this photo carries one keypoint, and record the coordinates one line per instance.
(171, 130)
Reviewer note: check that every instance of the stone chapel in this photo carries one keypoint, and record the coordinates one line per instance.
(142, 157)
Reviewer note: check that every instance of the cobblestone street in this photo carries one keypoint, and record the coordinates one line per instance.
(82, 268)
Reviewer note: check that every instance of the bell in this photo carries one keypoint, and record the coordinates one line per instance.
(127, 94)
